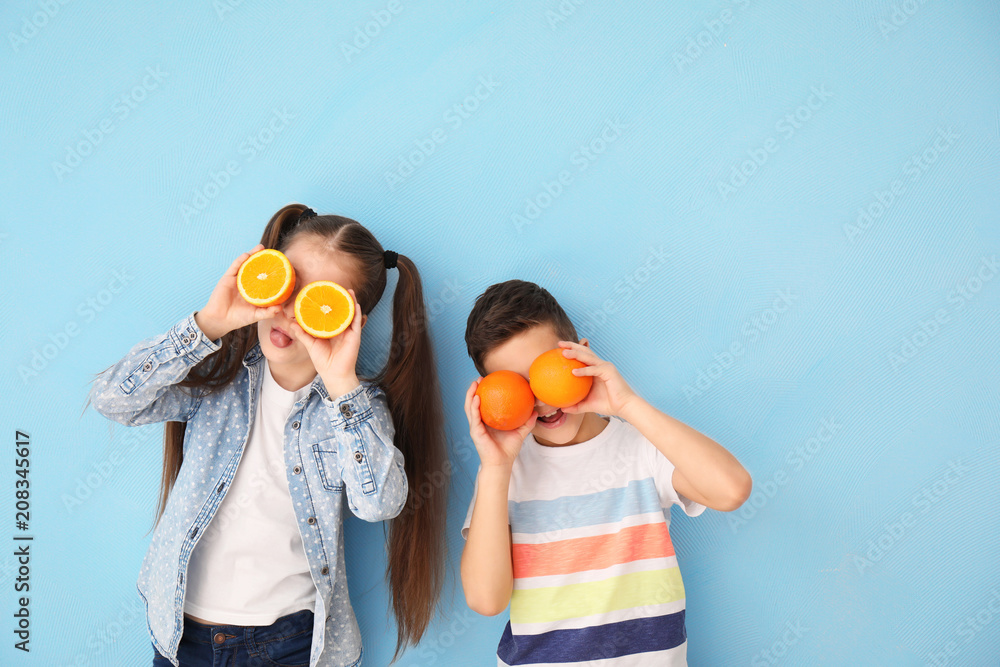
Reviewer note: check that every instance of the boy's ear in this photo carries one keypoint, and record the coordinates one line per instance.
(364, 318)
(584, 342)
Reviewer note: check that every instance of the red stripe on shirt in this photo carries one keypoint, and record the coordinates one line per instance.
(651, 540)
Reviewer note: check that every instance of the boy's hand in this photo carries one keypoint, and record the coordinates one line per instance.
(496, 448)
(610, 394)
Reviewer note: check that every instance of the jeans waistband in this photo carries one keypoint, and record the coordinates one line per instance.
(286, 626)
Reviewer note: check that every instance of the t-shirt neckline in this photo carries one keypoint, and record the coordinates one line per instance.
(276, 389)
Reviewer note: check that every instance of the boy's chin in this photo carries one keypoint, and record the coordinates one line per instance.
(559, 435)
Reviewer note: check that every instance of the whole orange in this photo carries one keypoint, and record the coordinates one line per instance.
(552, 381)
(505, 400)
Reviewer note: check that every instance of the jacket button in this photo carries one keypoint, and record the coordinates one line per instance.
(345, 410)
(358, 456)
(297, 469)
(295, 426)
(219, 638)
(311, 520)
(185, 340)
(325, 570)
(146, 366)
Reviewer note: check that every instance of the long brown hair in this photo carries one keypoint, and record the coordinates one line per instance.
(415, 569)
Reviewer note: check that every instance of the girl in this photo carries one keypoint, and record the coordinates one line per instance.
(268, 432)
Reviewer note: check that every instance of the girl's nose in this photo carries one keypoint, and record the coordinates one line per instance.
(288, 307)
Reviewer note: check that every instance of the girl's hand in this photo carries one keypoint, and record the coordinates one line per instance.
(496, 448)
(610, 394)
(226, 309)
(336, 358)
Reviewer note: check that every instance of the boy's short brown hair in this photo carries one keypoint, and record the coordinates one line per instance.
(505, 310)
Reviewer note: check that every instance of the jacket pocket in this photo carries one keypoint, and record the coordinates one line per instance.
(325, 453)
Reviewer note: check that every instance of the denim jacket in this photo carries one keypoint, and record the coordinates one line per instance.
(335, 448)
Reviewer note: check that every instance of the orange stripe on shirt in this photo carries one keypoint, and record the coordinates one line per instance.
(651, 540)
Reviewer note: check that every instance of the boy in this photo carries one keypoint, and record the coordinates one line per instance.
(586, 563)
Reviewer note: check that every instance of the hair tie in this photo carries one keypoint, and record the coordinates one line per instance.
(389, 257)
(306, 214)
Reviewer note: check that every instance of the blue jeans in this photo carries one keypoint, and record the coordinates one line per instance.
(284, 643)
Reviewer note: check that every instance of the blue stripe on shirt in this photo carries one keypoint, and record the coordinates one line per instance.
(612, 640)
(607, 506)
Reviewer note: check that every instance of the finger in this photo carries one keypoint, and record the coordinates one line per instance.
(301, 335)
(265, 313)
(597, 371)
(355, 326)
(470, 392)
(581, 353)
(475, 418)
(356, 318)
(525, 428)
(234, 268)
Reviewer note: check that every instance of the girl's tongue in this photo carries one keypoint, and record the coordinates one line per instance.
(279, 339)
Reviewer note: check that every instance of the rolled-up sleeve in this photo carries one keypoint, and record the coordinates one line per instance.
(371, 467)
(141, 387)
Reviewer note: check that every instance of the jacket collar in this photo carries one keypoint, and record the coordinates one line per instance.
(254, 356)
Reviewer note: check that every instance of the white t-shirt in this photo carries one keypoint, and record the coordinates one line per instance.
(596, 581)
(249, 566)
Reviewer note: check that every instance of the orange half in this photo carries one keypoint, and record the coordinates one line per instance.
(324, 309)
(266, 278)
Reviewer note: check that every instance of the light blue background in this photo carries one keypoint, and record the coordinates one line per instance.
(871, 550)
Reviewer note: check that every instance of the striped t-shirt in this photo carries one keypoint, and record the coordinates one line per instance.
(596, 581)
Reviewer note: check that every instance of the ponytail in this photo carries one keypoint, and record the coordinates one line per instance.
(416, 536)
